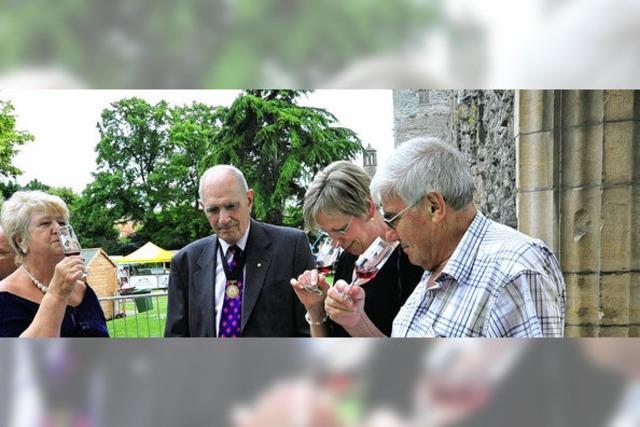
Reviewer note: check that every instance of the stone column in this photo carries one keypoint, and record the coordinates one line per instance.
(578, 180)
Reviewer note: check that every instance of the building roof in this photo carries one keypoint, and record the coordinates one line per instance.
(90, 253)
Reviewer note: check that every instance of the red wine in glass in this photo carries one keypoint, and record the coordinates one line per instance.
(371, 262)
(325, 269)
(325, 262)
(69, 241)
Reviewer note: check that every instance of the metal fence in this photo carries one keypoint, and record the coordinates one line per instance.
(139, 315)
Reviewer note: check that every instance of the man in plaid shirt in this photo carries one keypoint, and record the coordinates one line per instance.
(481, 279)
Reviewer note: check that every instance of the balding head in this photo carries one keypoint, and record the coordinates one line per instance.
(226, 201)
(219, 172)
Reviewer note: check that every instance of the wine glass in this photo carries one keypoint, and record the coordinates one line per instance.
(370, 262)
(325, 262)
(69, 242)
(327, 257)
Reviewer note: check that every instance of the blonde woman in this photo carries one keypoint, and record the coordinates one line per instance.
(45, 296)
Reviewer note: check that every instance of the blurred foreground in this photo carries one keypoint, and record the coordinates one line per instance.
(330, 43)
(317, 382)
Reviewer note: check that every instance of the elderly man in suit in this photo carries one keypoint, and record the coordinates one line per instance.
(236, 282)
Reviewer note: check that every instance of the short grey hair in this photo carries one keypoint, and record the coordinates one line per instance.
(18, 210)
(242, 182)
(340, 188)
(423, 165)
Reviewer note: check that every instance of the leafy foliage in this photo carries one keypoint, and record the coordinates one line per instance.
(150, 159)
(280, 146)
(10, 140)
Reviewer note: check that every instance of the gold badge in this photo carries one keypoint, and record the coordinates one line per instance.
(232, 291)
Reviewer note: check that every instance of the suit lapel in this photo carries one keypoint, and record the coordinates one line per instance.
(259, 258)
(204, 280)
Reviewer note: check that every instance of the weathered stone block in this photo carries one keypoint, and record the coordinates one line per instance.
(615, 298)
(580, 230)
(616, 229)
(537, 216)
(617, 154)
(634, 300)
(621, 105)
(582, 156)
(534, 111)
(614, 331)
(583, 299)
(582, 107)
(535, 161)
(635, 228)
(581, 331)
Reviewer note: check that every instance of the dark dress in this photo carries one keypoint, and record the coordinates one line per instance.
(385, 294)
(85, 320)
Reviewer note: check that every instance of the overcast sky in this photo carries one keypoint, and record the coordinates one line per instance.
(63, 123)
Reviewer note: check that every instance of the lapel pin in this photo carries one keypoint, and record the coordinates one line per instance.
(259, 264)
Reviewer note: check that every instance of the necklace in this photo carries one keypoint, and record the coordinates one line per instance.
(44, 288)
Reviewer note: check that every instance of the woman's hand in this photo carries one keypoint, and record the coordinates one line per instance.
(312, 301)
(66, 275)
(345, 304)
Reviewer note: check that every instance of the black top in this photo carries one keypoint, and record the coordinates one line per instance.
(385, 294)
(85, 320)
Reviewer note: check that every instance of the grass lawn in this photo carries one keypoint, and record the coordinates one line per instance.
(140, 325)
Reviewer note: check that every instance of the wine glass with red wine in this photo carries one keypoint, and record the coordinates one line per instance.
(69, 241)
(325, 262)
(371, 261)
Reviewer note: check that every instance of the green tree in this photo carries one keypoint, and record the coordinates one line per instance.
(280, 146)
(191, 133)
(149, 161)
(8, 188)
(10, 140)
(132, 152)
(94, 222)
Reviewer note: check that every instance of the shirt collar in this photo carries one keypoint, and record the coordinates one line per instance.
(242, 243)
(463, 258)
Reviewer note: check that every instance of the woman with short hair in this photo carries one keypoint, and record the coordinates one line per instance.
(45, 296)
(339, 203)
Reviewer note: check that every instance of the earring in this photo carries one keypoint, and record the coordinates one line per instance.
(24, 250)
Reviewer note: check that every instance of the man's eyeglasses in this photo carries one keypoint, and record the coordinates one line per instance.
(339, 233)
(393, 221)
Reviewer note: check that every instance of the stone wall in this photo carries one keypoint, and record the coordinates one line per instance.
(579, 190)
(420, 112)
(480, 124)
(482, 128)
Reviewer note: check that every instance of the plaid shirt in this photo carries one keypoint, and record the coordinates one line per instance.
(498, 283)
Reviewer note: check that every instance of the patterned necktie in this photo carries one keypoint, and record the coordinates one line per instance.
(232, 306)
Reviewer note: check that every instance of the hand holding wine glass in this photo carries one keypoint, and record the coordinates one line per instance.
(311, 288)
